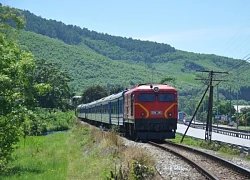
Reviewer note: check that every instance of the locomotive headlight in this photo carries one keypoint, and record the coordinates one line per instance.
(170, 114)
(156, 89)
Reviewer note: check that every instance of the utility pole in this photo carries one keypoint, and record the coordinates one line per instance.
(230, 104)
(217, 118)
(208, 132)
(237, 114)
(194, 114)
(203, 113)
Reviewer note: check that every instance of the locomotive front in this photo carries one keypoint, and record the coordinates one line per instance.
(151, 111)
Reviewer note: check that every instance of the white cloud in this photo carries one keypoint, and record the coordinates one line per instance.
(191, 35)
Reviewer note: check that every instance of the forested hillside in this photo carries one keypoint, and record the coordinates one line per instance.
(85, 66)
(93, 58)
(113, 47)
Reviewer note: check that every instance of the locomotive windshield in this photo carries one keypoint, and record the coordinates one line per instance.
(146, 97)
(149, 97)
(166, 97)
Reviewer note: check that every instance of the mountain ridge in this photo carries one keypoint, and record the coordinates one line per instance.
(98, 58)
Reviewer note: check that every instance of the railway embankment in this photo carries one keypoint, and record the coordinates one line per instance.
(95, 154)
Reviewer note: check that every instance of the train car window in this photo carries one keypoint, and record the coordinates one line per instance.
(146, 97)
(120, 106)
(166, 97)
(132, 97)
(104, 108)
(132, 104)
(113, 108)
(126, 106)
(116, 107)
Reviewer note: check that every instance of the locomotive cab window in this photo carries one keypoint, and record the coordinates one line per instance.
(146, 97)
(166, 97)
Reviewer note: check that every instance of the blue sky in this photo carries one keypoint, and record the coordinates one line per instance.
(220, 27)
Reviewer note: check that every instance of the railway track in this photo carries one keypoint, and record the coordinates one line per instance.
(210, 166)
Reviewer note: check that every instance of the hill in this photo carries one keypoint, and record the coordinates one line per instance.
(93, 58)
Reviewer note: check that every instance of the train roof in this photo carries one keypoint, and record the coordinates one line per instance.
(120, 94)
(104, 99)
(77, 97)
(151, 86)
(81, 106)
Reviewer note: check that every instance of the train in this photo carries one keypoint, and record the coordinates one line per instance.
(143, 112)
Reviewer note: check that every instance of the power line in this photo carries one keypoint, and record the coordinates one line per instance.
(208, 132)
(241, 31)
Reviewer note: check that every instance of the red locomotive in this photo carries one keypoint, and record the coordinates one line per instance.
(145, 112)
(151, 111)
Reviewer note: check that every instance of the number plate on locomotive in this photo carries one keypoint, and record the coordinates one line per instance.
(156, 112)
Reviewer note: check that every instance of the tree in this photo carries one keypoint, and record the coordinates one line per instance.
(226, 108)
(57, 89)
(10, 16)
(168, 79)
(246, 114)
(94, 93)
(115, 90)
(16, 89)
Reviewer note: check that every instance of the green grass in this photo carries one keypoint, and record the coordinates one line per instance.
(86, 153)
(62, 155)
(87, 158)
(247, 128)
(80, 153)
(222, 148)
(40, 157)
(187, 140)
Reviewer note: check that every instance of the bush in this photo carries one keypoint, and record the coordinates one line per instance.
(130, 162)
(139, 170)
(47, 120)
(225, 148)
(136, 164)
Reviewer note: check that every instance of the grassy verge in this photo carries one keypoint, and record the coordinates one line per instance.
(80, 153)
(40, 157)
(222, 147)
(87, 158)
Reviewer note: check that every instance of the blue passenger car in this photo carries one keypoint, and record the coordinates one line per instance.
(105, 111)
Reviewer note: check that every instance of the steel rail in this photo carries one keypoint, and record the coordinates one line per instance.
(229, 164)
(202, 170)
